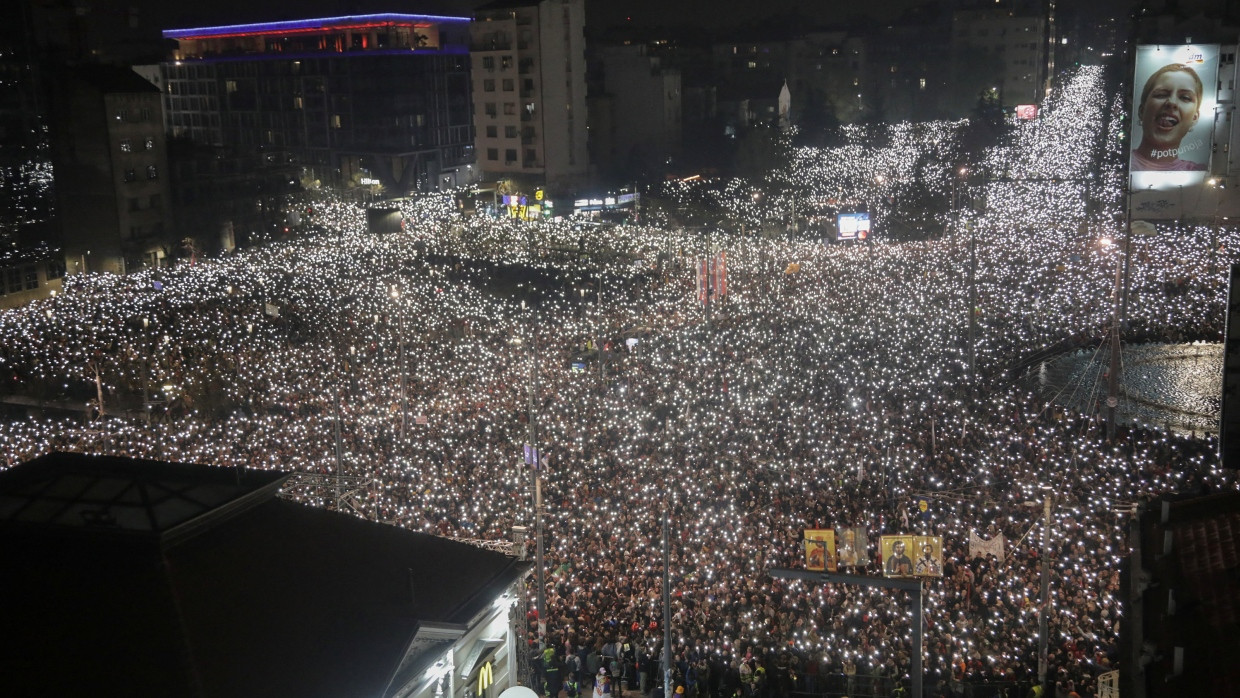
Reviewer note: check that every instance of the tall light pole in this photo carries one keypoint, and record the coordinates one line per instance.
(1218, 185)
(1116, 319)
(400, 358)
(1044, 595)
(536, 482)
(668, 688)
(972, 300)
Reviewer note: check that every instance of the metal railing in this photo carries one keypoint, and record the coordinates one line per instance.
(499, 546)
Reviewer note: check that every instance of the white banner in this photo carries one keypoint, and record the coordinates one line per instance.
(981, 548)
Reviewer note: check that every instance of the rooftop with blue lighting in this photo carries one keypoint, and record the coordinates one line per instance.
(322, 24)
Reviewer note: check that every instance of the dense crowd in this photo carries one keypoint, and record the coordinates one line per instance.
(836, 392)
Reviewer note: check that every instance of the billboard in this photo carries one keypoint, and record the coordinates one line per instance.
(1173, 102)
(1026, 112)
(912, 556)
(853, 226)
(820, 549)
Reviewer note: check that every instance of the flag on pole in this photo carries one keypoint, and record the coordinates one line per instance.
(712, 277)
(923, 506)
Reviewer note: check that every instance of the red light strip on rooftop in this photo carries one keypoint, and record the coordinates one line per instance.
(309, 30)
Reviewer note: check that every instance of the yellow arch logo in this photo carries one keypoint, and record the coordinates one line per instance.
(486, 677)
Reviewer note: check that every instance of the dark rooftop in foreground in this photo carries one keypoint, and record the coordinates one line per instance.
(136, 577)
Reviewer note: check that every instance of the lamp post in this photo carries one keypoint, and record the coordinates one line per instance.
(1117, 312)
(1045, 584)
(536, 458)
(146, 369)
(1218, 185)
(395, 293)
(1044, 593)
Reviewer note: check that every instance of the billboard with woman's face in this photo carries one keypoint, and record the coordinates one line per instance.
(1174, 96)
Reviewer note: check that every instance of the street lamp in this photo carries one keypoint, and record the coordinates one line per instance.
(395, 294)
(1044, 593)
(1116, 318)
(1218, 185)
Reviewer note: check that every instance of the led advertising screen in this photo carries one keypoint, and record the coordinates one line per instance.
(853, 226)
(1173, 103)
(1026, 112)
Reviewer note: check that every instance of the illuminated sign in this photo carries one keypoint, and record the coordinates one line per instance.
(853, 226)
(369, 180)
(486, 677)
(1026, 112)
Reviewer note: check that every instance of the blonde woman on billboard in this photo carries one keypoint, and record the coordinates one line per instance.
(1170, 107)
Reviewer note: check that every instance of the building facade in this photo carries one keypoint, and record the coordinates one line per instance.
(362, 100)
(529, 92)
(110, 159)
(29, 273)
(635, 119)
(1000, 50)
(27, 197)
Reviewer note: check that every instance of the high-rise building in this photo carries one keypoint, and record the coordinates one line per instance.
(529, 91)
(364, 100)
(111, 164)
(635, 119)
(1016, 41)
(27, 198)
